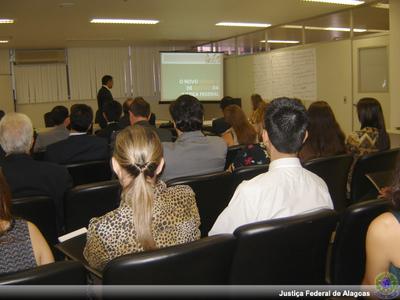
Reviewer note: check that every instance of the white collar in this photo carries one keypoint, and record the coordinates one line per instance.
(289, 162)
(76, 133)
(106, 87)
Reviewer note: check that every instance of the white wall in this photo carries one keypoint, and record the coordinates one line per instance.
(6, 95)
(337, 77)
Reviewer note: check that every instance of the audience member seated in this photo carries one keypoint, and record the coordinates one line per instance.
(219, 126)
(287, 189)
(150, 215)
(325, 137)
(256, 102)
(112, 113)
(372, 137)
(2, 153)
(241, 132)
(253, 154)
(26, 176)
(192, 153)
(125, 121)
(22, 245)
(139, 113)
(79, 146)
(59, 132)
(383, 239)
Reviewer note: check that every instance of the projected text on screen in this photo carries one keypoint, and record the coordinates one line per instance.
(196, 74)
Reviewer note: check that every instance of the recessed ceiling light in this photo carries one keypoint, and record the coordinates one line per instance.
(381, 5)
(67, 4)
(344, 2)
(124, 21)
(6, 21)
(243, 24)
(280, 42)
(4, 41)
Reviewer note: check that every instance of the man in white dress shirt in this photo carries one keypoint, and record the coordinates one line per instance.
(287, 189)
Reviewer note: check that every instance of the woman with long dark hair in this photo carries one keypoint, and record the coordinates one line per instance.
(22, 246)
(151, 215)
(372, 137)
(256, 102)
(383, 238)
(325, 137)
(241, 131)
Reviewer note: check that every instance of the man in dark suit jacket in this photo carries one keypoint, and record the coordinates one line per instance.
(219, 126)
(25, 176)
(103, 96)
(79, 147)
(112, 114)
(125, 121)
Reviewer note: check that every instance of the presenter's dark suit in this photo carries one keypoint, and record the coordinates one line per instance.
(219, 126)
(28, 177)
(78, 148)
(103, 96)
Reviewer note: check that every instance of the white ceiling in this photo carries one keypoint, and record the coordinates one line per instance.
(44, 24)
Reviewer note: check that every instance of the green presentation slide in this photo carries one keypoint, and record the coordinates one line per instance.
(197, 74)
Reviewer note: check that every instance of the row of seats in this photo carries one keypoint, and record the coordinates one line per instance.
(288, 251)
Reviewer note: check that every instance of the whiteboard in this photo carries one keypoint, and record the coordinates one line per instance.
(288, 73)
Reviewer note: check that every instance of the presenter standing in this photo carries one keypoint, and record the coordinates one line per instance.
(103, 96)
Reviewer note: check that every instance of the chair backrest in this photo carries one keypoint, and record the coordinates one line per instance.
(90, 172)
(284, 251)
(361, 187)
(334, 171)
(348, 251)
(213, 193)
(59, 273)
(206, 261)
(246, 173)
(40, 210)
(87, 201)
(231, 154)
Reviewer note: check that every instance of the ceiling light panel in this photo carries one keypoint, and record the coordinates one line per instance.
(343, 2)
(6, 21)
(243, 24)
(124, 21)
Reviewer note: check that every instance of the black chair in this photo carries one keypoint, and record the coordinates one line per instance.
(90, 172)
(246, 173)
(203, 262)
(39, 210)
(231, 154)
(88, 201)
(59, 273)
(348, 251)
(334, 171)
(287, 251)
(213, 193)
(361, 187)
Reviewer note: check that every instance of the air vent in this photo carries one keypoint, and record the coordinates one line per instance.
(48, 56)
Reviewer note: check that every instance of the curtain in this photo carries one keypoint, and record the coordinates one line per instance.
(86, 67)
(39, 83)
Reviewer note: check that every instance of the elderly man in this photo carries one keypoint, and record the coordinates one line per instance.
(26, 176)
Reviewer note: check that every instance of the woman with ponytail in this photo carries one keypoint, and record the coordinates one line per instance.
(150, 215)
(383, 238)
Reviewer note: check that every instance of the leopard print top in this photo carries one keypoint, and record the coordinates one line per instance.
(175, 221)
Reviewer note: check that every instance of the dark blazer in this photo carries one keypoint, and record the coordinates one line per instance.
(28, 177)
(103, 96)
(219, 126)
(78, 148)
(108, 131)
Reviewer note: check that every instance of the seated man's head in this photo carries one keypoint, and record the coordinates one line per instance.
(225, 102)
(112, 111)
(139, 110)
(59, 115)
(107, 80)
(81, 117)
(127, 105)
(16, 133)
(285, 124)
(187, 113)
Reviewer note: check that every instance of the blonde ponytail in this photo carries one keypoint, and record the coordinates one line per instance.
(138, 150)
